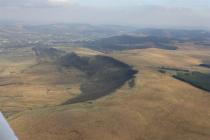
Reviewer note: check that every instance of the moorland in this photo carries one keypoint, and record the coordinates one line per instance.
(85, 82)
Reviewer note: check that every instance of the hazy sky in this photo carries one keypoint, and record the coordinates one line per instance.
(180, 3)
(143, 13)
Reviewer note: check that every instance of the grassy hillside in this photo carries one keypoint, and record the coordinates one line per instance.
(39, 86)
(157, 107)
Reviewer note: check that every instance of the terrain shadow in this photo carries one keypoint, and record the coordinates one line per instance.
(102, 75)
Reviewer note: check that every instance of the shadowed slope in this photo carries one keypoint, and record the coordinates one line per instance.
(104, 75)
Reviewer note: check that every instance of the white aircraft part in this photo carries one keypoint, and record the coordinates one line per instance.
(6, 133)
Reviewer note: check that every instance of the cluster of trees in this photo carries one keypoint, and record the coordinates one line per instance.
(200, 80)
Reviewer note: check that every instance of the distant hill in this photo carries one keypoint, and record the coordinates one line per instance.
(192, 35)
(100, 37)
(126, 42)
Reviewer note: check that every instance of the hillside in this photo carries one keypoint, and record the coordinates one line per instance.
(157, 107)
(84, 82)
(104, 75)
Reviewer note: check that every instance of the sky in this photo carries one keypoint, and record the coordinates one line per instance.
(141, 13)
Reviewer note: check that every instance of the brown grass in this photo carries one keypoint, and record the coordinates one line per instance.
(157, 108)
